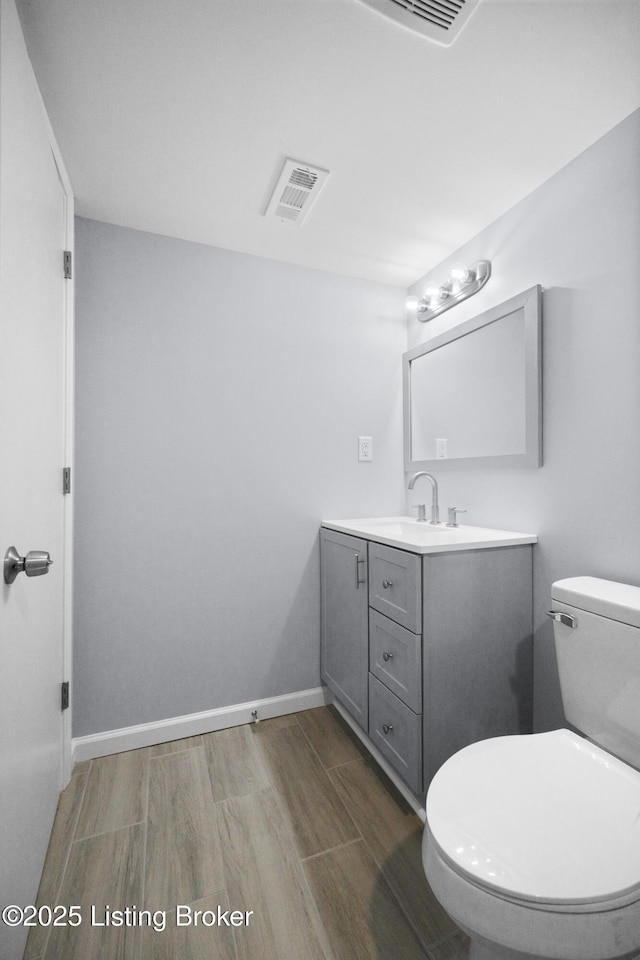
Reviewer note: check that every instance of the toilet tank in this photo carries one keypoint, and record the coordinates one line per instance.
(598, 650)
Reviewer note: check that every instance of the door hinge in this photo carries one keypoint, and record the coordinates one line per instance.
(66, 479)
(67, 264)
(64, 695)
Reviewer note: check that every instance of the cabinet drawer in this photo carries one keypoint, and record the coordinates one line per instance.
(344, 659)
(397, 733)
(395, 657)
(395, 585)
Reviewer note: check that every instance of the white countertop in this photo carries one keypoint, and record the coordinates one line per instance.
(407, 533)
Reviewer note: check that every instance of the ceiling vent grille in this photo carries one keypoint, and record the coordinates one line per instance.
(439, 20)
(296, 191)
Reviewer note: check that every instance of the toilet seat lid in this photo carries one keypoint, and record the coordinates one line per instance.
(548, 817)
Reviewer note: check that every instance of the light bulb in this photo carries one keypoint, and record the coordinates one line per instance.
(411, 303)
(435, 295)
(462, 274)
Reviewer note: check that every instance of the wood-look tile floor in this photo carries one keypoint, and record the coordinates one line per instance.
(288, 823)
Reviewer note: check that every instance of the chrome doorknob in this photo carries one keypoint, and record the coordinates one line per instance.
(34, 564)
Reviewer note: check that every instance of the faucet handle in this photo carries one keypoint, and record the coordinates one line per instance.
(453, 516)
(422, 512)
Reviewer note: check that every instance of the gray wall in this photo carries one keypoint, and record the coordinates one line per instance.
(579, 237)
(219, 398)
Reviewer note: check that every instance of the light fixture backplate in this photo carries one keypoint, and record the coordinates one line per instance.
(482, 271)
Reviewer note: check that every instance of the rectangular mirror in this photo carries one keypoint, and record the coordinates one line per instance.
(473, 394)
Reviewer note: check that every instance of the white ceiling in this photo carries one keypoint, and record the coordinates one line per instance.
(175, 116)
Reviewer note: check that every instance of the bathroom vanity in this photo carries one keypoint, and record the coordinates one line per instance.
(427, 636)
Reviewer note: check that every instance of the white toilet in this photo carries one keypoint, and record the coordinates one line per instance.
(532, 843)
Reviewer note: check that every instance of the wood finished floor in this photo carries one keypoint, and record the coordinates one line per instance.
(288, 818)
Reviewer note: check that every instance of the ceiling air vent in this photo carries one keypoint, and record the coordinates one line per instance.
(439, 20)
(296, 191)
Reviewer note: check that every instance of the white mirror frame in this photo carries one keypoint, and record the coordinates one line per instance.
(530, 302)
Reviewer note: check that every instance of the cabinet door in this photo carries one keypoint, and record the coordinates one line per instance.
(345, 642)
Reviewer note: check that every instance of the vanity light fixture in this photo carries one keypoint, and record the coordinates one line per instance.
(463, 282)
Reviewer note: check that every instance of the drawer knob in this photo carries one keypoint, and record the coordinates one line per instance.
(387, 727)
(387, 583)
(387, 656)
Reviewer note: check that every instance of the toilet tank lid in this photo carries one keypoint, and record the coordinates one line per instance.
(606, 598)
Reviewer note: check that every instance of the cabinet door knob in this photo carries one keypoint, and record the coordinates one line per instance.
(387, 656)
(387, 583)
(387, 727)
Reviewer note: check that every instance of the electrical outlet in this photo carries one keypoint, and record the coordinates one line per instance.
(365, 449)
(441, 450)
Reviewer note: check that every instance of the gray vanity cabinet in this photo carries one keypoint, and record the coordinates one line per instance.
(434, 652)
(344, 664)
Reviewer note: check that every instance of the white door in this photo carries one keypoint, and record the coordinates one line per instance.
(32, 450)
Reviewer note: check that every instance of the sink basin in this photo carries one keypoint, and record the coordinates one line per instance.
(407, 533)
(406, 526)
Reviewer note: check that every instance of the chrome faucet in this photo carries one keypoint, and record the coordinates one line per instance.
(435, 510)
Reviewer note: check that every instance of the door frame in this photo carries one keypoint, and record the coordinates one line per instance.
(67, 759)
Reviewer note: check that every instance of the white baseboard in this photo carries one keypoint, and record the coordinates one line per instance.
(413, 802)
(176, 728)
